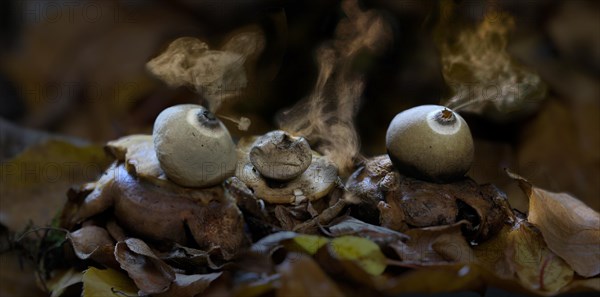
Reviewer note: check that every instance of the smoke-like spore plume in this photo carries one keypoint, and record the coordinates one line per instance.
(217, 75)
(482, 75)
(326, 116)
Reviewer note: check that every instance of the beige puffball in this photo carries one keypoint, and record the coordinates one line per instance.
(193, 147)
(430, 142)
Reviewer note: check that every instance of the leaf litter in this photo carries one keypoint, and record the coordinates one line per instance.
(474, 241)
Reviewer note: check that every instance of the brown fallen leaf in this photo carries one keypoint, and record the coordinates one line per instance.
(434, 246)
(302, 276)
(190, 285)
(537, 267)
(93, 242)
(492, 254)
(348, 225)
(150, 274)
(570, 228)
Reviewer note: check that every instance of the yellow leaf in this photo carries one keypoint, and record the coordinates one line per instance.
(108, 282)
(536, 266)
(570, 228)
(307, 243)
(361, 250)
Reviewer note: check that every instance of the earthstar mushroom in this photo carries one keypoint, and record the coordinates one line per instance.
(430, 142)
(280, 156)
(193, 147)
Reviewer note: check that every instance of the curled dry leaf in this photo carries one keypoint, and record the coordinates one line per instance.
(347, 225)
(150, 274)
(93, 242)
(570, 228)
(190, 285)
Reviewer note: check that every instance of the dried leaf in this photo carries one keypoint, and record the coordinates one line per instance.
(435, 246)
(492, 254)
(535, 265)
(570, 228)
(94, 243)
(149, 273)
(350, 226)
(302, 276)
(33, 184)
(107, 282)
(190, 285)
(434, 279)
(364, 252)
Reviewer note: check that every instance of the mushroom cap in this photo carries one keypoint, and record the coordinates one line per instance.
(193, 147)
(314, 183)
(280, 156)
(423, 146)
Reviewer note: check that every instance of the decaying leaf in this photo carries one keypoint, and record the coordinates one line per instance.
(35, 182)
(93, 242)
(570, 228)
(536, 266)
(149, 273)
(492, 254)
(347, 225)
(190, 285)
(434, 246)
(302, 276)
(446, 278)
(107, 282)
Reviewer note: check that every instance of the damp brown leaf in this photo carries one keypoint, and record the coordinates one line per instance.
(434, 246)
(150, 274)
(302, 276)
(570, 228)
